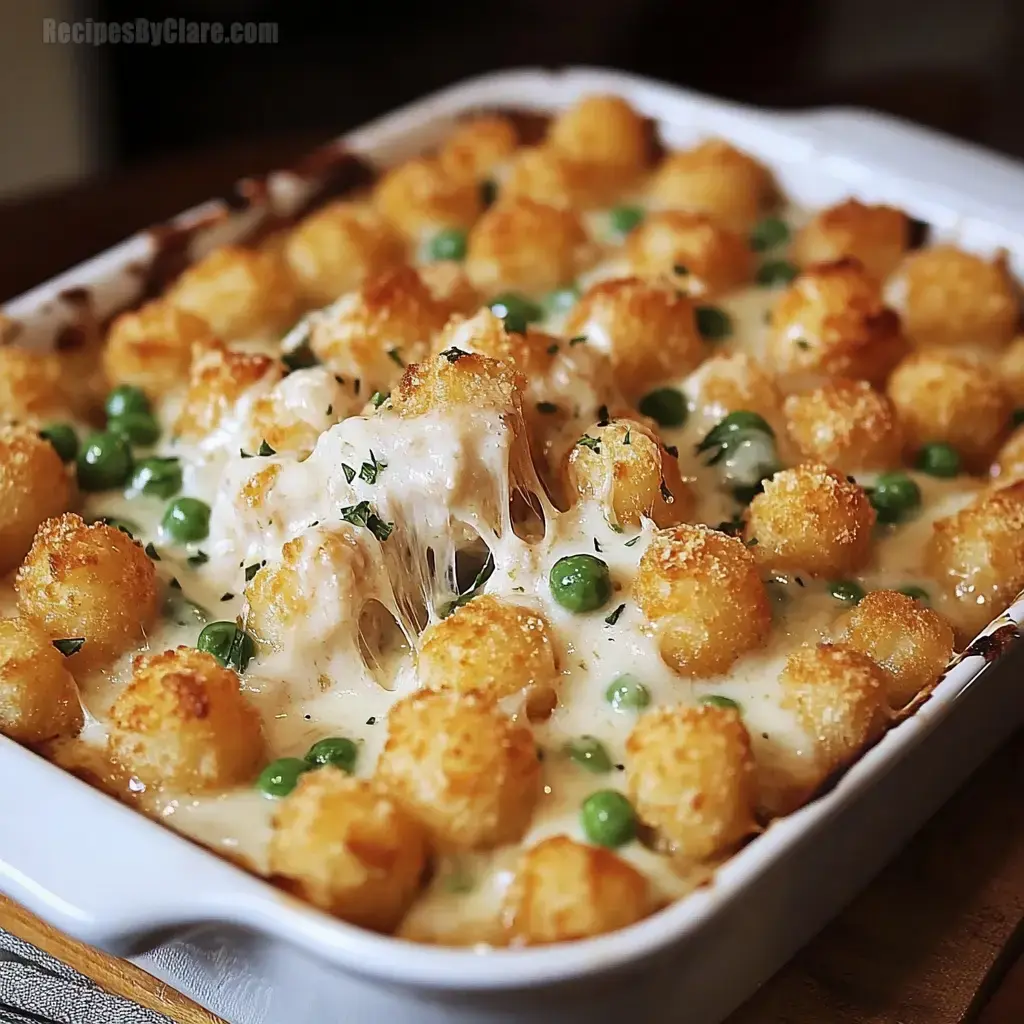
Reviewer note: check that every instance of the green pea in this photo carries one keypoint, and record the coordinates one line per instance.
(608, 818)
(280, 777)
(713, 323)
(125, 399)
(775, 272)
(336, 750)
(847, 591)
(717, 700)
(63, 438)
(894, 496)
(516, 310)
(231, 646)
(140, 428)
(627, 693)
(624, 218)
(768, 234)
(741, 421)
(580, 583)
(449, 244)
(187, 519)
(158, 477)
(561, 300)
(589, 753)
(105, 462)
(941, 460)
(666, 406)
(916, 592)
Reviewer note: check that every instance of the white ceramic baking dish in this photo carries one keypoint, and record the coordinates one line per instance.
(105, 874)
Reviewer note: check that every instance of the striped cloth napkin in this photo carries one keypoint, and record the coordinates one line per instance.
(37, 989)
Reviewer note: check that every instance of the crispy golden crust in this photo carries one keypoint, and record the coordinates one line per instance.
(33, 486)
(846, 424)
(731, 381)
(832, 321)
(909, 640)
(545, 175)
(630, 473)
(88, 581)
(1011, 369)
(946, 396)
(182, 724)
(648, 329)
(477, 146)
(466, 379)
(690, 774)
(715, 259)
(344, 846)
(717, 179)
(605, 132)
(376, 331)
(522, 245)
(701, 595)
(875, 236)
(238, 292)
(491, 646)
(38, 697)
(30, 385)
(421, 197)
(450, 287)
(977, 556)
(459, 765)
(335, 249)
(218, 378)
(839, 696)
(952, 297)
(811, 519)
(152, 347)
(564, 890)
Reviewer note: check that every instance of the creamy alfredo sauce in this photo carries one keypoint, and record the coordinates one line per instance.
(446, 484)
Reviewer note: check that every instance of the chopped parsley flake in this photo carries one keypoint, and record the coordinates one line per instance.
(350, 473)
(151, 550)
(251, 570)
(395, 357)
(681, 268)
(547, 408)
(752, 543)
(593, 443)
(227, 596)
(630, 543)
(580, 339)
(371, 720)
(552, 350)
(602, 416)
(265, 450)
(453, 354)
(363, 514)
(625, 439)
(614, 617)
(369, 471)
(378, 398)
(199, 558)
(666, 493)
(597, 545)
(69, 645)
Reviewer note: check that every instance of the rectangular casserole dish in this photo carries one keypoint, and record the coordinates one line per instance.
(110, 877)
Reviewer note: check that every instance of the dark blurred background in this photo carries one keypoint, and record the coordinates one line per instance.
(168, 125)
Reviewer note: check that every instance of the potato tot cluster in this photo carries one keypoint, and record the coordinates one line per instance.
(183, 724)
(690, 775)
(89, 581)
(702, 598)
(38, 696)
(461, 767)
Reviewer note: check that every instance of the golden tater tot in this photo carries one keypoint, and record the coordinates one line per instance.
(238, 292)
(458, 378)
(30, 385)
(702, 597)
(544, 175)
(460, 766)
(846, 424)
(977, 556)
(624, 465)
(839, 696)
(875, 236)
(605, 132)
(450, 287)
(733, 381)
(690, 774)
(346, 847)
(811, 519)
(183, 724)
(152, 347)
(335, 249)
(374, 332)
(717, 179)
(831, 321)
(952, 297)
(491, 646)
(33, 486)
(648, 330)
(88, 581)
(1011, 369)
(477, 146)
(38, 697)
(954, 398)
(909, 640)
(564, 890)
(421, 197)
(1009, 461)
(702, 256)
(522, 245)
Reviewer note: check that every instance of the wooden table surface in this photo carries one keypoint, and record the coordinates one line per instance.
(935, 939)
